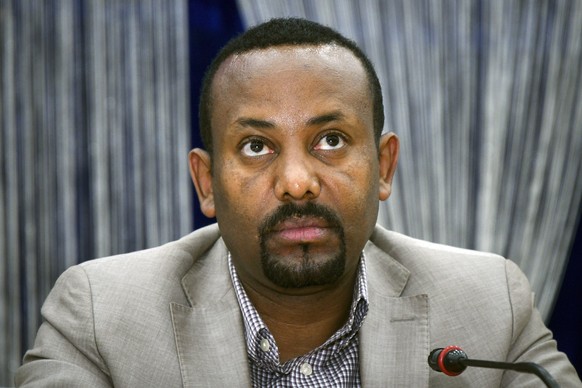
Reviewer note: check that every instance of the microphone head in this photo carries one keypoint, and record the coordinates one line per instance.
(433, 359)
(448, 360)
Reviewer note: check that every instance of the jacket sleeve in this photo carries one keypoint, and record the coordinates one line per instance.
(531, 339)
(65, 352)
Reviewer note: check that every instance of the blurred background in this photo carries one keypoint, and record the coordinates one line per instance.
(98, 110)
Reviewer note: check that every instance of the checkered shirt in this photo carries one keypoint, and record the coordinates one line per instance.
(333, 364)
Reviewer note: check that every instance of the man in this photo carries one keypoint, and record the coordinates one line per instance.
(296, 285)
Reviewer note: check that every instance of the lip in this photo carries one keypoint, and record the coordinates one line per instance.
(301, 230)
(300, 222)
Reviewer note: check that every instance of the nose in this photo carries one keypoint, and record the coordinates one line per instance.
(296, 177)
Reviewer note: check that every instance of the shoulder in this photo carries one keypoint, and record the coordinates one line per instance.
(152, 274)
(115, 312)
(412, 249)
(475, 290)
(165, 261)
(468, 291)
(455, 280)
(430, 264)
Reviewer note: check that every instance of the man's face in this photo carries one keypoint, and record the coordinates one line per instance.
(295, 177)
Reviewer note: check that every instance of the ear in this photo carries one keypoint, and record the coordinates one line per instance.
(388, 159)
(201, 173)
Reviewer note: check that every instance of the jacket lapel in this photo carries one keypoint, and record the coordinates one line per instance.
(209, 333)
(211, 347)
(394, 340)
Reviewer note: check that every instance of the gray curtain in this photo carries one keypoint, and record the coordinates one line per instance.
(94, 136)
(486, 98)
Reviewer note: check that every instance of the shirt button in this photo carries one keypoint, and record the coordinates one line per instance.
(265, 347)
(306, 369)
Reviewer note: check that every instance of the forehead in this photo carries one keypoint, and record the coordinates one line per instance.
(284, 71)
(307, 57)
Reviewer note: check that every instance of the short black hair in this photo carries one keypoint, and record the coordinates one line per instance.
(285, 32)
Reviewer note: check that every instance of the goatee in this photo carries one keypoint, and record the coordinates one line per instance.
(303, 270)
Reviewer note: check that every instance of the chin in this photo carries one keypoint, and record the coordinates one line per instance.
(305, 271)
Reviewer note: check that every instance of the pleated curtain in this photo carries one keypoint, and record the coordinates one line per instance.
(94, 137)
(486, 97)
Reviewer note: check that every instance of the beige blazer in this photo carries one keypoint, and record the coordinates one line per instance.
(168, 317)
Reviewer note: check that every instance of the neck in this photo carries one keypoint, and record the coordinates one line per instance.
(301, 323)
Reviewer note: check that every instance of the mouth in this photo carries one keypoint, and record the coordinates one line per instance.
(291, 226)
(302, 230)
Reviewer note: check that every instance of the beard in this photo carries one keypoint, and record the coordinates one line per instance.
(308, 267)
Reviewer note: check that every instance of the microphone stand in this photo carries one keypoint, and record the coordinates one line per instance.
(527, 367)
(452, 361)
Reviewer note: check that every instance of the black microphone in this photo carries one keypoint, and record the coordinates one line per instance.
(452, 361)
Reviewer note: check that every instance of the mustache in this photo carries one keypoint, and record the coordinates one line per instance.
(293, 210)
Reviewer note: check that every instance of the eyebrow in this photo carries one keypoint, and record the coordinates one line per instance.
(317, 120)
(255, 123)
(326, 118)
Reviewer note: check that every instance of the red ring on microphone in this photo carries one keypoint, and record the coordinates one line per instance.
(441, 360)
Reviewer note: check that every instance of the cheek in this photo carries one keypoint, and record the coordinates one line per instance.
(238, 196)
(236, 216)
(361, 181)
(359, 194)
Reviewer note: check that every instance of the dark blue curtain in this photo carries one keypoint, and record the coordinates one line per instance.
(566, 321)
(214, 22)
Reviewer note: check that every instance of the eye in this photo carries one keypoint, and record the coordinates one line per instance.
(256, 147)
(331, 141)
